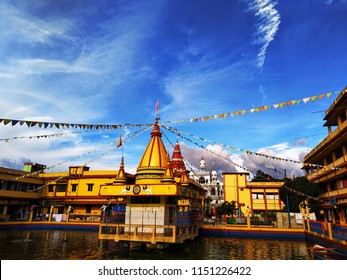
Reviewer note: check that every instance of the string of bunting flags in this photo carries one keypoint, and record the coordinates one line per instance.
(59, 125)
(120, 143)
(264, 108)
(302, 194)
(229, 160)
(198, 145)
(130, 136)
(292, 190)
(47, 184)
(178, 132)
(39, 136)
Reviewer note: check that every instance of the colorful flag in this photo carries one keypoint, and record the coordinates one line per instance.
(119, 141)
(157, 107)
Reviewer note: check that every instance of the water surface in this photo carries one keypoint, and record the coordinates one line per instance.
(85, 245)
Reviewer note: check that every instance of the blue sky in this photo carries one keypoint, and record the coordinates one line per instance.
(109, 62)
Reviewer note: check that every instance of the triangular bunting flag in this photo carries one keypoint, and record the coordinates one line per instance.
(306, 99)
(7, 121)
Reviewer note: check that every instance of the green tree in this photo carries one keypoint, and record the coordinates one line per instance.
(227, 208)
(260, 176)
(300, 189)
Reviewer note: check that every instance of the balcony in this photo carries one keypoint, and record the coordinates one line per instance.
(20, 194)
(333, 136)
(328, 172)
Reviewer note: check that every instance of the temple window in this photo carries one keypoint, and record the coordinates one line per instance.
(90, 187)
(50, 188)
(73, 187)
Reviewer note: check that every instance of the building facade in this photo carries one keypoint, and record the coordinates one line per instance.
(210, 182)
(252, 198)
(326, 164)
(79, 190)
(19, 190)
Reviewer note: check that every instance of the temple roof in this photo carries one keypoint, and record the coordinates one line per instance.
(177, 162)
(154, 160)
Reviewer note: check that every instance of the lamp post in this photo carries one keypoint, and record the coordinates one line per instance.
(287, 198)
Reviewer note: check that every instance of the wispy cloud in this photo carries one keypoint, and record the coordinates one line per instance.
(267, 25)
(35, 66)
(329, 2)
(29, 29)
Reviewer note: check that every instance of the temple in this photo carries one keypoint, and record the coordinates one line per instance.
(161, 206)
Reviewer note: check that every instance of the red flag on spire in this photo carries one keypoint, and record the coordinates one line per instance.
(157, 107)
(119, 141)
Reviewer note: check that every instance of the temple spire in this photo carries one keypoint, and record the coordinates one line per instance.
(154, 160)
(177, 162)
(121, 177)
(168, 176)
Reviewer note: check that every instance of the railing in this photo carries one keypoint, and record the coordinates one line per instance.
(329, 230)
(118, 218)
(147, 233)
(339, 232)
(153, 230)
(335, 133)
(258, 221)
(87, 218)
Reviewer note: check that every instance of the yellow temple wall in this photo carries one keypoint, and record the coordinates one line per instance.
(88, 184)
(238, 189)
(235, 189)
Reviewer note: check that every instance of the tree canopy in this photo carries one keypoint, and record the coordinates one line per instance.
(303, 190)
(227, 208)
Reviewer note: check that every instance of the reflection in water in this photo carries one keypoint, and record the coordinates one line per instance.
(78, 245)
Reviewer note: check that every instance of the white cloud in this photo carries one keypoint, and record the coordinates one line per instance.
(29, 29)
(19, 67)
(267, 25)
(59, 151)
(213, 155)
(199, 91)
(287, 157)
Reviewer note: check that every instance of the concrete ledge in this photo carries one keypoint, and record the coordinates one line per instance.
(253, 232)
